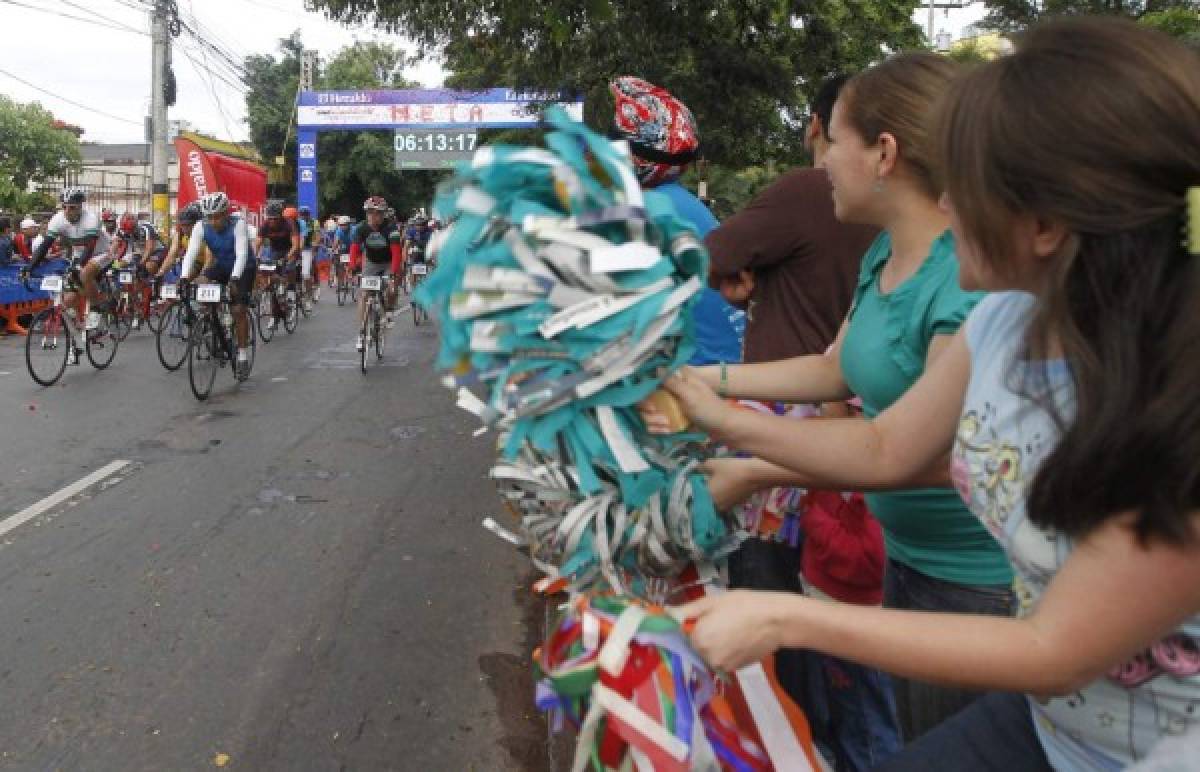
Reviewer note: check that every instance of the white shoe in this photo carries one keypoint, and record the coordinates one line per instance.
(317, 293)
(360, 344)
(73, 356)
(307, 306)
(271, 323)
(93, 320)
(137, 324)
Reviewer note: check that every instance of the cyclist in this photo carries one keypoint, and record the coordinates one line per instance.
(108, 221)
(185, 220)
(310, 236)
(231, 265)
(281, 238)
(344, 235)
(81, 236)
(294, 266)
(139, 246)
(380, 243)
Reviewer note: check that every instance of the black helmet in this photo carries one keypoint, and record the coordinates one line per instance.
(274, 209)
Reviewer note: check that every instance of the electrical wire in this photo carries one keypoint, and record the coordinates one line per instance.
(212, 89)
(84, 19)
(69, 101)
(101, 16)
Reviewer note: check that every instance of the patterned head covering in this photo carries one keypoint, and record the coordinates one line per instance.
(659, 128)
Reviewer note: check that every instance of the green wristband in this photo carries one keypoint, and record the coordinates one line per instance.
(723, 389)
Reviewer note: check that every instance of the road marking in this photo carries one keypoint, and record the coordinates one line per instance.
(54, 499)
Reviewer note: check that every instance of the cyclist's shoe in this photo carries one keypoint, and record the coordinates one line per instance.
(308, 306)
(271, 323)
(316, 293)
(137, 324)
(73, 356)
(389, 319)
(361, 344)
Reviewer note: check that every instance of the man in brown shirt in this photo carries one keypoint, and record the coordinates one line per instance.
(789, 257)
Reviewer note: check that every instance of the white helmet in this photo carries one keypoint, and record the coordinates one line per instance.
(73, 195)
(343, 220)
(214, 203)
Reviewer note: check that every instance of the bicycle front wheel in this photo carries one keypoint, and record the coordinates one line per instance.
(102, 342)
(291, 314)
(47, 346)
(252, 319)
(204, 359)
(173, 337)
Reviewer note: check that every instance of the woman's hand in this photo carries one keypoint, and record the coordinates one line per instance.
(736, 628)
(699, 402)
(731, 481)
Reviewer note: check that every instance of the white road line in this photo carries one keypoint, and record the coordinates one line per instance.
(58, 497)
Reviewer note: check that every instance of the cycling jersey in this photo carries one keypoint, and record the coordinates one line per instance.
(135, 244)
(74, 236)
(380, 245)
(229, 247)
(342, 237)
(278, 232)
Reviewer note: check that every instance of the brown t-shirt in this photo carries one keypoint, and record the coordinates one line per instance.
(805, 265)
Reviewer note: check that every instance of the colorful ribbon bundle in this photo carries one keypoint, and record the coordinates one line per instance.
(622, 673)
(565, 292)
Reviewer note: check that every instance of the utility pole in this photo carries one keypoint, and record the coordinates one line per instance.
(160, 41)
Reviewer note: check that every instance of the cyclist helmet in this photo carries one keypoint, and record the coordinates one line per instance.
(660, 129)
(189, 215)
(274, 209)
(376, 204)
(73, 195)
(127, 224)
(344, 220)
(214, 203)
(290, 213)
(305, 211)
(107, 215)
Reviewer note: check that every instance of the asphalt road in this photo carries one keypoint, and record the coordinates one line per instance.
(291, 575)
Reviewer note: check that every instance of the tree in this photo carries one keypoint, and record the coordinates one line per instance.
(351, 164)
(270, 103)
(1183, 23)
(745, 67)
(1015, 15)
(32, 150)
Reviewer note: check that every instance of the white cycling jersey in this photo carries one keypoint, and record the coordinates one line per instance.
(73, 236)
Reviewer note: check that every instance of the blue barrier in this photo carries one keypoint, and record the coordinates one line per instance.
(13, 291)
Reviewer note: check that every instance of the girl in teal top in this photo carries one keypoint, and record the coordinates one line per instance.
(907, 307)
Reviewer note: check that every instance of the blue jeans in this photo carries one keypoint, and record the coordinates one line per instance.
(852, 713)
(921, 706)
(994, 734)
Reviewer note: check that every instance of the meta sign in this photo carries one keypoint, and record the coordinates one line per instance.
(434, 128)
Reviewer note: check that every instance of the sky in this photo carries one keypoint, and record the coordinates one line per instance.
(101, 61)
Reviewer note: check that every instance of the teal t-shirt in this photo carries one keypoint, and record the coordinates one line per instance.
(883, 354)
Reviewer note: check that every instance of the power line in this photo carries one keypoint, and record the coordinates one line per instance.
(69, 101)
(102, 17)
(211, 88)
(85, 20)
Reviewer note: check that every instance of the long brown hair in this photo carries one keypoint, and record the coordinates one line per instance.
(896, 96)
(1094, 123)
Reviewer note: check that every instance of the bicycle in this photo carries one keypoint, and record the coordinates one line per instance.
(214, 340)
(274, 301)
(416, 274)
(54, 332)
(346, 287)
(371, 287)
(121, 293)
(173, 338)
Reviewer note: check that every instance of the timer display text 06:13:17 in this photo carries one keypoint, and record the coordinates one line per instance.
(436, 141)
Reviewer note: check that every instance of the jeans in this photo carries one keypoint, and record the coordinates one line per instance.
(766, 565)
(994, 734)
(852, 713)
(921, 706)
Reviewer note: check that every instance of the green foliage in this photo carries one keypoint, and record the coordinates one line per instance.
(1183, 23)
(1015, 15)
(31, 150)
(746, 68)
(351, 164)
(968, 52)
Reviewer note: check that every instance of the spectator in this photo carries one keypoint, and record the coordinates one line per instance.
(23, 241)
(6, 242)
(664, 139)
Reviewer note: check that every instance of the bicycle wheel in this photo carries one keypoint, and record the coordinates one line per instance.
(291, 314)
(101, 343)
(154, 315)
(203, 358)
(380, 331)
(302, 303)
(241, 374)
(366, 327)
(266, 321)
(123, 316)
(343, 291)
(173, 337)
(47, 346)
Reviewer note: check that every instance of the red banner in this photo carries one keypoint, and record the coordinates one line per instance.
(204, 171)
